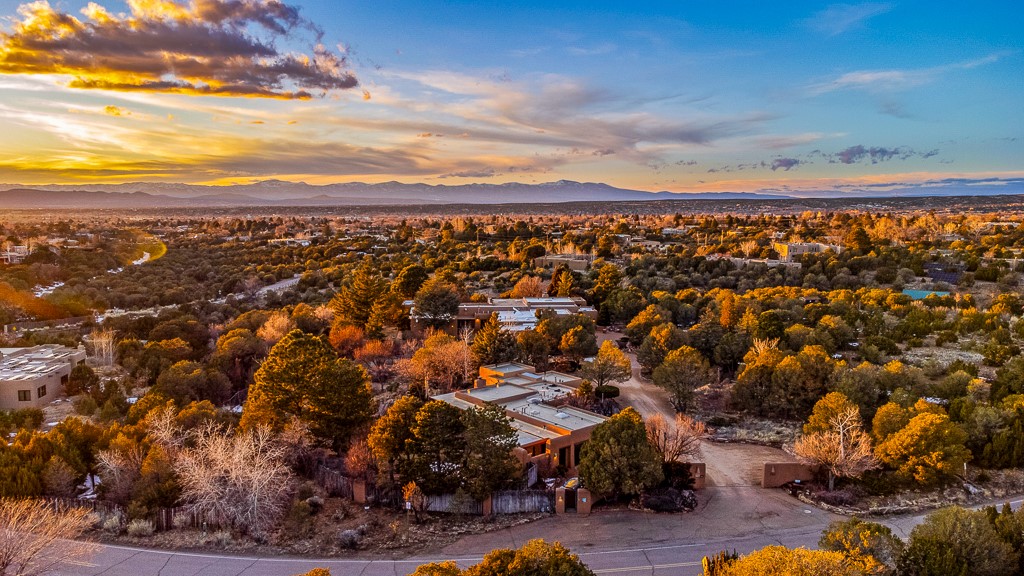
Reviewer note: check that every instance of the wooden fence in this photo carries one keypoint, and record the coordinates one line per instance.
(334, 482)
(522, 501)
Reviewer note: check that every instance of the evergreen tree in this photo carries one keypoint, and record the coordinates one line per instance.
(303, 377)
(618, 459)
(683, 371)
(354, 303)
(489, 463)
(494, 345)
(436, 303)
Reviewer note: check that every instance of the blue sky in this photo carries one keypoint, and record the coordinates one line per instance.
(680, 96)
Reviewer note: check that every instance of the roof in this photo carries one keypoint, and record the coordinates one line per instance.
(26, 364)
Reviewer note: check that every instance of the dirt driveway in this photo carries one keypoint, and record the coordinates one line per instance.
(727, 464)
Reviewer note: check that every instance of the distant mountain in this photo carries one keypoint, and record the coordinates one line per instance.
(277, 192)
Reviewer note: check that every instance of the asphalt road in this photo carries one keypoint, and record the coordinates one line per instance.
(656, 551)
(657, 560)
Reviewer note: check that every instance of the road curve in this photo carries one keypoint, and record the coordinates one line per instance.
(658, 557)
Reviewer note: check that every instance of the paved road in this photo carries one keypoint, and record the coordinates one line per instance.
(658, 559)
(648, 544)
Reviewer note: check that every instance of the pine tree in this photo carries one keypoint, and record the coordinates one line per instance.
(493, 345)
(354, 303)
(303, 377)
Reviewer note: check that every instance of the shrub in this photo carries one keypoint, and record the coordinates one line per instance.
(349, 539)
(139, 528)
(113, 524)
(607, 391)
(220, 538)
(668, 500)
(842, 497)
(85, 405)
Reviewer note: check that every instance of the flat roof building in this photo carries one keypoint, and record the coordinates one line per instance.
(34, 377)
(550, 432)
(514, 314)
(790, 250)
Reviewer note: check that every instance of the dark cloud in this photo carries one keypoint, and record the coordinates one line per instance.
(784, 164)
(208, 47)
(875, 154)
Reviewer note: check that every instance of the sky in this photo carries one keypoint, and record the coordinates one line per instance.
(679, 96)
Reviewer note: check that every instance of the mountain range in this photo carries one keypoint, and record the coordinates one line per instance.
(283, 193)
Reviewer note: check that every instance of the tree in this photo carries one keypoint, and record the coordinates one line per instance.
(955, 541)
(611, 365)
(608, 279)
(443, 362)
(303, 377)
(391, 433)
(640, 326)
(240, 480)
(436, 303)
(236, 354)
(409, 280)
(345, 338)
(492, 344)
(843, 449)
(675, 440)
(618, 459)
(103, 346)
(528, 287)
(928, 450)
(782, 561)
(82, 380)
(683, 371)
(866, 541)
(354, 301)
(578, 343)
(661, 340)
(748, 247)
(187, 381)
(534, 349)
(36, 537)
(437, 448)
(565, 282)
(489, 440)
(831, 405)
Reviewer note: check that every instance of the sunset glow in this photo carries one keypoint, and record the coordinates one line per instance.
(681, 97)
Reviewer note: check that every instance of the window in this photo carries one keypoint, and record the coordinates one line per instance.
(24, 395)
(41, 391)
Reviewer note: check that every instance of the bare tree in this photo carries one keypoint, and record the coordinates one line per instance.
(120, 467)
(36, 537)
(748, 247)
(675, 440)
(241, 480)
(103, 346)
(275, 328)
(528, 287)
(844, 449)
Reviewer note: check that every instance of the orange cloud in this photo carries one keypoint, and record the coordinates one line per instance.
(204, 47)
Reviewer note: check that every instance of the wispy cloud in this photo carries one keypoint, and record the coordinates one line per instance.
(206, 47)
(894, 80)
(596, 50)
(839, 18)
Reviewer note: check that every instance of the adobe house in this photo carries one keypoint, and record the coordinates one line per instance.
(551, 434)
(34, 377)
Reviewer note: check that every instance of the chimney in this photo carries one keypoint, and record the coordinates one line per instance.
(480, 383)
